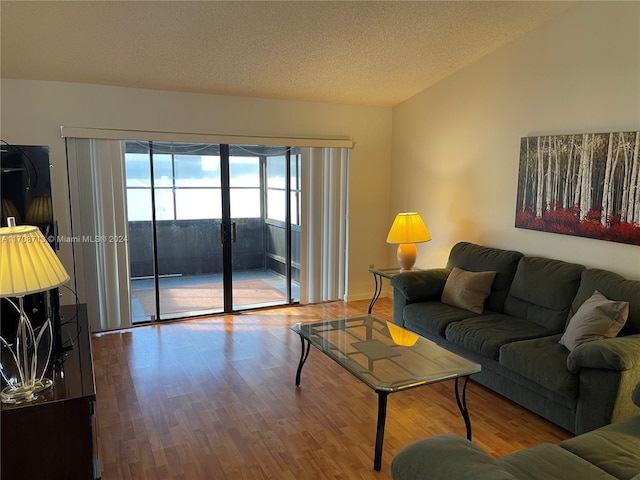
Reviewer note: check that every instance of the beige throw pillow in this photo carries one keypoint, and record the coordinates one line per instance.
(597, 318)
(467, 290)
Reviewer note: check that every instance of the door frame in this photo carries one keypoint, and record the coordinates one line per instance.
(227, 233)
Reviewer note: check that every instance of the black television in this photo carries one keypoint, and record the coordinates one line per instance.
(25, 194)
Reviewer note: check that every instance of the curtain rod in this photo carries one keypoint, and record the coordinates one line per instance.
(118, 134)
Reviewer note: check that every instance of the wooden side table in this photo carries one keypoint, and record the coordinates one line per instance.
(54, 437)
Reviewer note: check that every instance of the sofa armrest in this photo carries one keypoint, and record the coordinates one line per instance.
(445, 457)
(421, 284)
(619, 353)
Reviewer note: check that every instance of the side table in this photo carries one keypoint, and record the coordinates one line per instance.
(55, 436)
(378, 275)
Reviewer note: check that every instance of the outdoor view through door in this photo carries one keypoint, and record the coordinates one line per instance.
(212, 228)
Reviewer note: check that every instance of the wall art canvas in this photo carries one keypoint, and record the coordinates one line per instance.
(586, 185)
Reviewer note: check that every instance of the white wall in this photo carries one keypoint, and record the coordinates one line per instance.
(456, 145)
(33, 111)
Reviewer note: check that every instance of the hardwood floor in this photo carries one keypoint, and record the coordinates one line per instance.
(215, 399)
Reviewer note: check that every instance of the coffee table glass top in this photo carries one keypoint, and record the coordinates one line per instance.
(386, 357)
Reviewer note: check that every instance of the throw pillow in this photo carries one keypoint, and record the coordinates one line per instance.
(467, 290)
(597, 318)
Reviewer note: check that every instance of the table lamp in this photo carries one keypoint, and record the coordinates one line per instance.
(407, 230)
(29, 265)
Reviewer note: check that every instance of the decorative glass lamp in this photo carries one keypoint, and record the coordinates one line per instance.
(407, 230)
(29, 265)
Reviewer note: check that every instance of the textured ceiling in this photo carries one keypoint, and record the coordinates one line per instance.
(369, 53)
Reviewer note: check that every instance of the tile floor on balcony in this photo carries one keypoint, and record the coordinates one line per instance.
(190, 295)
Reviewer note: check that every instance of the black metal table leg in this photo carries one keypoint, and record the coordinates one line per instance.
(462, 404)
(382, 416)
(376, 292)
(303, 358)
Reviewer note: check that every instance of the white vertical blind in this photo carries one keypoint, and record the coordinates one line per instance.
(324, 238)
(98, 168)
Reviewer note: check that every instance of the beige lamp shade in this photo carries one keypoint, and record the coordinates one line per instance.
(407, 230)
(39, 211)
(28, 263)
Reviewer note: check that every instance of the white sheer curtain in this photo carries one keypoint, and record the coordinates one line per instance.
(98, 202)
(324, 224)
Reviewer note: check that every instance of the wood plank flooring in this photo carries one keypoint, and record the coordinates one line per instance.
(215, 399)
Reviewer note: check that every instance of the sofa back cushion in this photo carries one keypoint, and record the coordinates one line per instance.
(614, 287)
(543, 290)
(467, 290)
(596, 319)
(476, 258)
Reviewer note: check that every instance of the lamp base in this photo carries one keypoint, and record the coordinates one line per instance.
(25, 393)
(407, 256)
(30, 344)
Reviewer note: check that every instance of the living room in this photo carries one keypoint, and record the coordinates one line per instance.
(449, 152)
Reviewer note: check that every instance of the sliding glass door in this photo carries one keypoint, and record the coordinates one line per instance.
(282, 216)
(198, 230)
(263, 267)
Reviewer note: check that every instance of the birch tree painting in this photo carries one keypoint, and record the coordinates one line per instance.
(586, 185)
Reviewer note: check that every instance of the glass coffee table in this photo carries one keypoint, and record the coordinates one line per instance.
(388, 359)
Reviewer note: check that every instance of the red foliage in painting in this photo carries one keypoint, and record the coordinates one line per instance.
(563, 217)
(614, 220)
(625, 233)
(526, 220)
(594, 215)
(592, 230)
(567, 221)
(523, 219)
(537, 224)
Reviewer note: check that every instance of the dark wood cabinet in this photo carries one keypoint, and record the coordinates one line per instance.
(54, 437)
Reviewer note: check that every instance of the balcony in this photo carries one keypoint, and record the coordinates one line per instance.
(190, 260)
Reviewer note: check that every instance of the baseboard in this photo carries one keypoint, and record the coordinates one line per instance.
(366, 296)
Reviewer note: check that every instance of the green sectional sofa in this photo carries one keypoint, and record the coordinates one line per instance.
(610, 452)
(512, 322)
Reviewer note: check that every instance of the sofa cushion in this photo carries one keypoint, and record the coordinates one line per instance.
(597, 318)
(614, 287)
(421, 284)
(476, 258)
(467, 290)
(548, 462)
(543, 361)
(487, 333)
(614, 448)
(542, 291)
(431, 458)
(620, 353)
(431, 318)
